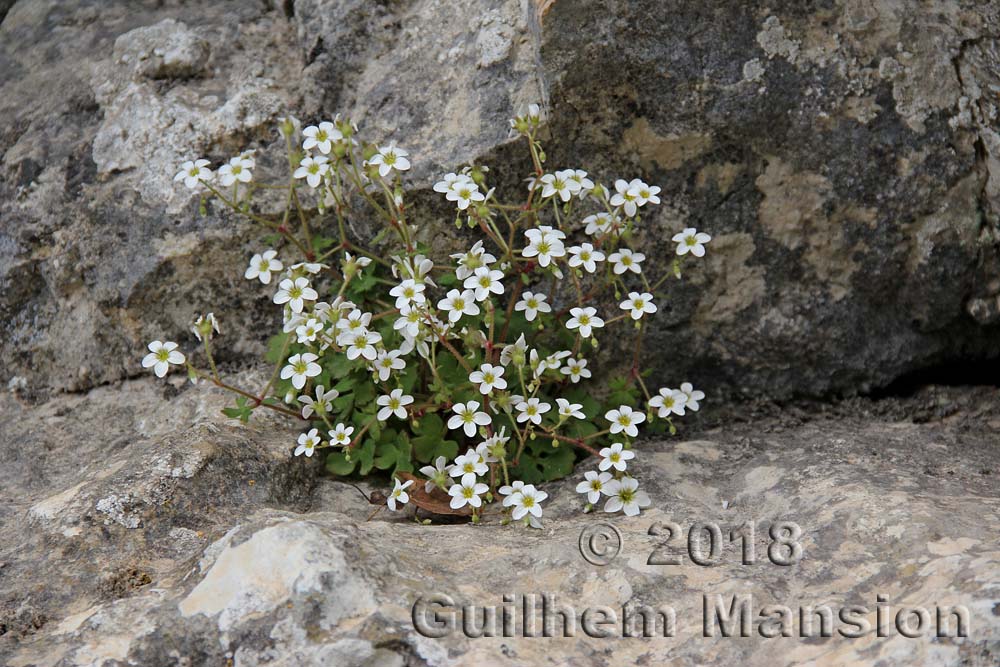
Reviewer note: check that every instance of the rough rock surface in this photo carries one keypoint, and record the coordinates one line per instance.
(844, 154)
(141, 531)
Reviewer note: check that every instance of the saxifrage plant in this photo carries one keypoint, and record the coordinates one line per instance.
(474, 371)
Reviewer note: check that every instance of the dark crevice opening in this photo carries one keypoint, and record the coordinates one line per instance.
(961, 373)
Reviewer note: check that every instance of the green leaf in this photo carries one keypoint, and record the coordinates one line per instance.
(361, 285)
(337, 463)
(321, 243)
(242, 411)
(365, 455)
(339, 365)
(579, 428)
(275, 346)
(541, 462)
(393, 452)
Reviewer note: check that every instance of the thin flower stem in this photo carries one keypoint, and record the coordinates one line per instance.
(211, 361)
(246, 394)
(277, 368)
(451, 348)
(357, 438)
(576, 442)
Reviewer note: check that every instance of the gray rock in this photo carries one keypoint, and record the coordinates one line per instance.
(242, 555)
(844, 157)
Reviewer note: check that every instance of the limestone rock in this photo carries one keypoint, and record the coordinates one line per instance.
(243, 555)
(843, 156)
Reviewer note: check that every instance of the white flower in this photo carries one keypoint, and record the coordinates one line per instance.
(449, 180)
(544, 246)
(545, 230)
(459, 303)
(362, 344)
(307, 332)
(261, 266)
(624, 495)
(464, 193)
(321, 137)
(237, 170)
(600, 223)
(417, 267)
(161, 355)
(511, 492)
(313, 169)
(408, 292)
(527, 501)
(488, 377)
(308, 442)
(668, 401)
(557, 184)
(691, 241)
(576, 369)
(554, 360)
(691, 395)
(388, 361)
(579, 182)
(625, 419)
(498, 438)
(201, 322)
(584, 319)
(485, 281)
(593, 484)
(300, 368)
(615, 457)
(399, 494)
(584, 255)
(515, 352)
(321, 404)
(638, 304)
(352, 265)
(390, 158)
(341, 435)
(295, 293)
(531, 410)
(626, 260)
(469, 462)
(626, 197)
(309, 267)
(437, 474)
(645, 194)
(356, 320)
(393, 404)
(567, 409)
(532, 304)
(467, 492)
(468, 262)
(193, 173)
(468, 418)
(409, 320)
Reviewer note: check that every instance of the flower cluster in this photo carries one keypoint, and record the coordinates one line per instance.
(393, 356)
